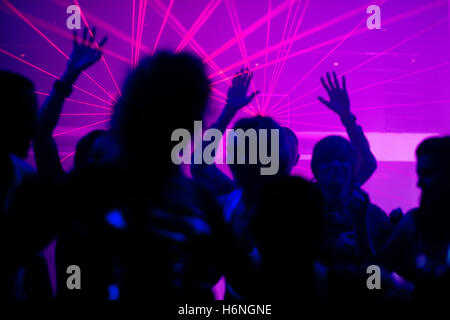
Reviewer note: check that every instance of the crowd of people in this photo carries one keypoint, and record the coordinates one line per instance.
(139, 228)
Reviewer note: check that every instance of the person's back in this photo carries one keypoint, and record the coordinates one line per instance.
(288, 227)
(169, 239)
(419, 249)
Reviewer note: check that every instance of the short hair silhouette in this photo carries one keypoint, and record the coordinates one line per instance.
(332, 148)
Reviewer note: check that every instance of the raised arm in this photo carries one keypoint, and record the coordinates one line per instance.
(237, 98)
(339, 102)
(84, 54)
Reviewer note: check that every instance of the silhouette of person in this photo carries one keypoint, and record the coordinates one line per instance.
(419, 248)
(355, 229)
(174, 226)
(238, 196)
(23, 274)
(288, 229)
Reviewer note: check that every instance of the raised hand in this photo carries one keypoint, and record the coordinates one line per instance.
(84, 53)
(237, 94)
(339, 101)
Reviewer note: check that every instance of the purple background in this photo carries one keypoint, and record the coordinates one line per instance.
(398, 79)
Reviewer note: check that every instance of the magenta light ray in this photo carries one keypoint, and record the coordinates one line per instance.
(280, 50)
(415, 35)
(202, 18)
(133, 17)
(279, 67)
(236, 28)
(269, 10)
(409, 74)
(26, 20)
(388, 21)
(260, 22)
(163, 24)
(67, 157)
(96, 44)
(48, 73)
(79, 128)
(297, 37)
(348, 35)
(283, 63)
(76, 101)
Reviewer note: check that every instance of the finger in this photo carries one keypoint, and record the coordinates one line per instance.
(325, 102)
(241, 75)
(245, 77)
(98, 55)
(92, 38)
(85, 32)
(249, 79)
(325, 85)
(235, 79)
(75, 38)
(336, 81)
(330, 82)
(344, 85)
(102, 43)
(252, 96)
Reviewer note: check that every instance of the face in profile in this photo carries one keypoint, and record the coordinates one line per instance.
(430, 180)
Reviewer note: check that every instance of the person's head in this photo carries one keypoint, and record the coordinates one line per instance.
(165, 92)
(292, 151)
(83, 150)
(249, 175)
(333, 164)
(433, 170)
(18, 108)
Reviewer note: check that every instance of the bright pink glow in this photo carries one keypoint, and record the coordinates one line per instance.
(399, 93)
(141, 21)
(281, 48)
(386, 146)
(85, 114)
(275, 12)
(312, 124)
(380, 54)
(169, 8)
(204, 15)
(79, 128)
(409, 74)
(327, 25)
(178, 27)
(237, 30)
(385, 106)
(96, 44)
(298, 37)
(133, 14)
(280, 69)
(269, 10)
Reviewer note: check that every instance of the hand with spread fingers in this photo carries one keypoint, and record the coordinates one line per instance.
(85, 53)
(338, 101)
(237, 94)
